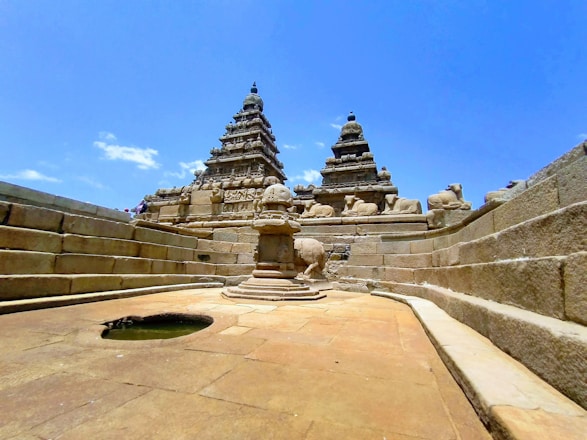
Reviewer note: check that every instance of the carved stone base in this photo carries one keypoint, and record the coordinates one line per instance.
(273, 289)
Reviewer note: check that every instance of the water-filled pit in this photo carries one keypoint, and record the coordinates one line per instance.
(164, 326)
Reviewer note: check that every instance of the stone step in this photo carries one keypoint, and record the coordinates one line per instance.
(16, 287)
(509, 398)
(553, 349)
(20, 305)
(31, 262)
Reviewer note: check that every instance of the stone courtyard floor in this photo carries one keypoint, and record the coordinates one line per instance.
(349, 366)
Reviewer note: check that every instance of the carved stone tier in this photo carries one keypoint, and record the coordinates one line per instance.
(236, 174)
(351, 172)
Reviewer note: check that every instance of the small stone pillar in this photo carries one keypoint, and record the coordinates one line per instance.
(274, 274)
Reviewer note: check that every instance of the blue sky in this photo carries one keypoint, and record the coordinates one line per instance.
(106, 101)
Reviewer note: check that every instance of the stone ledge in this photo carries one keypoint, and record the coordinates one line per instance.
(66, 300)
(509, 398)
(553, 349)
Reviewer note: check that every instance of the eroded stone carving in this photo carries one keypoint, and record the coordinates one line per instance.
(310, 253)
(450, 198)
(313, 209)
(354, 206)
(400, 205)
(513, 187)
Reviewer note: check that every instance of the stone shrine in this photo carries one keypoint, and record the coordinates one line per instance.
(350, 178)
(235, 176)
(274, 276)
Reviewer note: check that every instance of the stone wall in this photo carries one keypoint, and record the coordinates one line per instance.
(47, 252)
(515, 271)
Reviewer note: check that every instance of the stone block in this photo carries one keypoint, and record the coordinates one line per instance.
(572, 183)
(561, 232)
(201, 197)
(214, 246)
(455, 238)
(83, 264)
(408, 261)
(80, 244)
(434, 276)
(25, 195)
(138, 281)
(29, 239)
(366, 259)
(95, 283)
(460, 278)
(398, 275)
(113, 214)
(25, 262)
(196, 268)
(148, 235)
(33, 286)
(245, 259)
(559, 164)
(364, 272)
(26, 216)
(535, 201)
(224, 257)
(479, 228)
(132, 265)
(455, 216)
(195, 210)
(331, 229)
(71, 205)
(179, 254)
(234, 269)
(154, 251)
(422, 246)
(168, 267)
(242, 248)
(575, 282)
(441, 242)
(4, 211)
(77, 224)
(479, 251)
(387, 228)
(446, 257)
(554, 354)
(534, 285)
(368, 248)
(391, 247)
(224, 235)
(453, 255)
(187, 241)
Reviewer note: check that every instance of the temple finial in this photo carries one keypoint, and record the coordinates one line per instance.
(254, 88)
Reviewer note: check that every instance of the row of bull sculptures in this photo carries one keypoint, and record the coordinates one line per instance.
(451, 198)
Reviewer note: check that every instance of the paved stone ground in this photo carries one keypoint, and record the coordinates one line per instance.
(350, 366)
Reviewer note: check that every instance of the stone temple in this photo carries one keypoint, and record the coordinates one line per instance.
(496, 295)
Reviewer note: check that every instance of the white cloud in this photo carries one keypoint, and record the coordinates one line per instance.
(290, 147)
(143, 157)
(320, 144)
(30, 175)
(106, 136)
(91, 182)
(310, 176)
(582, 136)
(337, 126)
(187, 166)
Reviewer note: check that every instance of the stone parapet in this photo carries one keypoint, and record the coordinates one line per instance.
(28, 196)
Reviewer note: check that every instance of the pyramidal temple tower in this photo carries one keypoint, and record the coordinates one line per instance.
(248, 150)
(235, 177)
(352, 171)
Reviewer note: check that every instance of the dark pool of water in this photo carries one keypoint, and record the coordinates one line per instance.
(136, 328)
